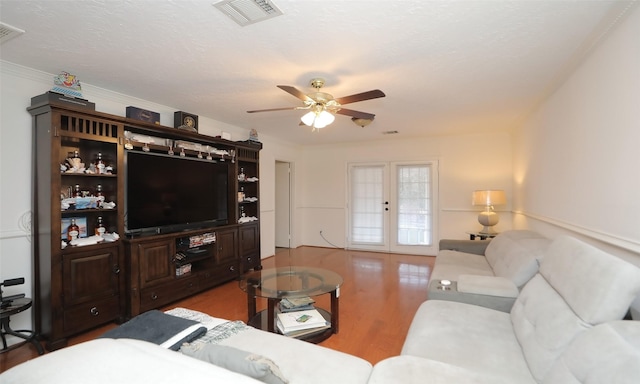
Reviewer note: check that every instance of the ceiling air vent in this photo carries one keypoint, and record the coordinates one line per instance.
(245, 12)
(7, 32)
(389, 132)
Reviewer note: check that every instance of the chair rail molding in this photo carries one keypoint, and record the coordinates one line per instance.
(608, 238)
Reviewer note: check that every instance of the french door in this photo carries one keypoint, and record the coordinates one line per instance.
(392, 207)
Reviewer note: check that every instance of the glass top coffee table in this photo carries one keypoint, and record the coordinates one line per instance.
(275, 284)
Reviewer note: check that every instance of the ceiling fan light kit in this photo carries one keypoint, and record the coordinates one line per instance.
(362, 122)
(323, 106)
(317, 119)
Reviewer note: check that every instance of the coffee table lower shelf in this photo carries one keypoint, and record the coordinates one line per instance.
(260, 321)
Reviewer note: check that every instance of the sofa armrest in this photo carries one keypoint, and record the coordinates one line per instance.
(468, 246)
(487, 285)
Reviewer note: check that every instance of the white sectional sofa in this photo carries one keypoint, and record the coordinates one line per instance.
(564, 328)
(553, 334)
(489, 273)
(111, 361)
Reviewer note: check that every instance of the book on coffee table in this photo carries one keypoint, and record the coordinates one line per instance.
(283, 308)
(288, 322)
(297, 302)
(304, 332)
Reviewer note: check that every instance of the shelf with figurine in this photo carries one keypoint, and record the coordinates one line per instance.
(73, 165)
(75, 232)
(147, 143)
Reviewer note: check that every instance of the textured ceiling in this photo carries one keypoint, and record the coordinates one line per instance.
(447, 67)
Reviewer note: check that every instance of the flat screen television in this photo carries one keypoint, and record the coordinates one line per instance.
(165, 194)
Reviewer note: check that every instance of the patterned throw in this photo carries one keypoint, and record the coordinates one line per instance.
(216, 332)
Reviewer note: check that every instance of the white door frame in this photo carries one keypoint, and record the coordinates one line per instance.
(283, 204)
(388, 202)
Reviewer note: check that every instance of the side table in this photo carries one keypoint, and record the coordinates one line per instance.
(275, 284)
(481, 236)
(17, 306)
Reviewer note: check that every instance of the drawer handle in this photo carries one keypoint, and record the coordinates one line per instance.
(249, 259)
(154, 296)
(94, 311)
(232, 268)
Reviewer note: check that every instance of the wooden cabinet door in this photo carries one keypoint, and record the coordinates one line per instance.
(226, 245)
(249, 239)
(90, 276)
(155, 262)
(249, 247)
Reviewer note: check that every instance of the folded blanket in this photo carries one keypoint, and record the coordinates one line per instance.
(217, 329)
(159, 328)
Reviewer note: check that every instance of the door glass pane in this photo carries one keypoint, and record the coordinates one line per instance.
(414, 205)
(367, 194)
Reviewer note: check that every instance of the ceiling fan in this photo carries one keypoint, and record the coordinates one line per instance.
(323, 106)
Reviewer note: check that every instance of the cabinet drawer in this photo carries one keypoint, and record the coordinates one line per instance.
(249, 261)
(89, 315)
(158, 296)
(220, 274)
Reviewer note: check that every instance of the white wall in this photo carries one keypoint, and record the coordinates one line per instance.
(576, 158)
(15, 176)
(273, 151)
(466, 163)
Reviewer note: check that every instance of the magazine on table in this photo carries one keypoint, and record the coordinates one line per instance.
(299, 320)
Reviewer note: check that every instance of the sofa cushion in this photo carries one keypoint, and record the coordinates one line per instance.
(477, 247)
(301, 361)
(417, 370)
(516, 255)
(487, 285)
(607, 353)
(109, 361)
(467, 336)
(607, 283)
(451, 264)
(298, 361)
(470, 293)
(246, 363)
(577, 287)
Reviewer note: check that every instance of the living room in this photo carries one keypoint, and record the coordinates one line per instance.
(568, 167)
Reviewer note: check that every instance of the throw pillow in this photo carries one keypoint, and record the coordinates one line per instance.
(233, 359)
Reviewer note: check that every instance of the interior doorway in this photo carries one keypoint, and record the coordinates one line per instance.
(283, 204)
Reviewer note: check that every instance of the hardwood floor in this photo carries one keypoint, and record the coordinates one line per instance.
(378, 299)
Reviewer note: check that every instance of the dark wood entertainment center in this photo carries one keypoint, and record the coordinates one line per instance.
(78, 287)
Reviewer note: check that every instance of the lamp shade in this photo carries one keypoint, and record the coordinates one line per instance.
(308, 118)
(489, 197)
(317, 119)
(323, 119)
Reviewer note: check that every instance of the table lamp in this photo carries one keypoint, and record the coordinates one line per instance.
(488, 198)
